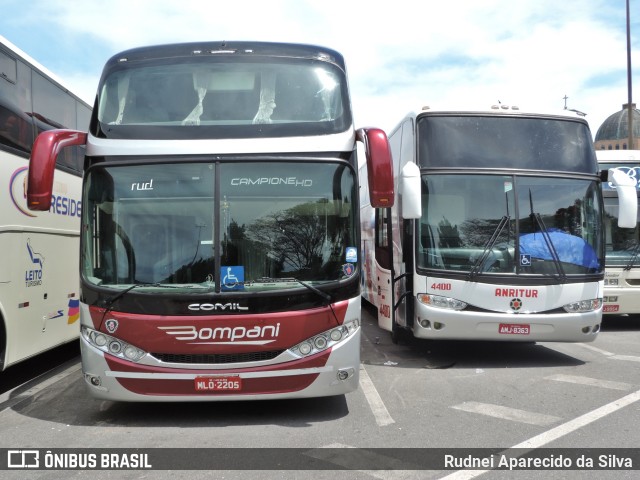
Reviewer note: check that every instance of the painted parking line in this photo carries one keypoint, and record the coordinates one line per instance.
(560, 431)
(507, 413)
(612, 356)
(376, 404)
(593, 382)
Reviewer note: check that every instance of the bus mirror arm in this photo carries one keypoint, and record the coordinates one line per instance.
(379, 166)
(627, 196)
(42, 164)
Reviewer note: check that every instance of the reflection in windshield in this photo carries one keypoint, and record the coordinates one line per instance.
(268, 230)
(222, 97)
(469, 225)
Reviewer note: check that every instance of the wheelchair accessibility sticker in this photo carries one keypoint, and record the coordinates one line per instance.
(232, 278)
(525, 260)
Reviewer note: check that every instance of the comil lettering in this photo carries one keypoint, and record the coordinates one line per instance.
(292, 181)
(517, 292)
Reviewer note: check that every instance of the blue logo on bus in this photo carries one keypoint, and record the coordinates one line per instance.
(232, 278)
(352, 255)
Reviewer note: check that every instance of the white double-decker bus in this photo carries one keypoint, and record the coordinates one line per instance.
(220, 237)
(496, 232)
(622, 246)
(39, 284)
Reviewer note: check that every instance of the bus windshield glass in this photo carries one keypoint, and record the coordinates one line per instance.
(622, 246)
(223, 96)
(509, 224)
(476, 141)
(249, 226)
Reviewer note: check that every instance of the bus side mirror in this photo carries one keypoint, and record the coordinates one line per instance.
(627, 198)
(42, 164)
(379, 166)
(410, 191)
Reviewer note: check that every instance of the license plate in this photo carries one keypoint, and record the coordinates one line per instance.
(610, 308)
(514, 329)
(218, 384)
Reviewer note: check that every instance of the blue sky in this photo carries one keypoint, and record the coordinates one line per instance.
(400, 55)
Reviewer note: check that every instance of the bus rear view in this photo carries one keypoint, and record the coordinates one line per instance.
(219, 231)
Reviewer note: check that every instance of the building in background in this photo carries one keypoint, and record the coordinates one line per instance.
(613, 134)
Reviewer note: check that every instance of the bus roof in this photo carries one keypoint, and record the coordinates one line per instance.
(44, 70)
(498, 108)
(213, 48)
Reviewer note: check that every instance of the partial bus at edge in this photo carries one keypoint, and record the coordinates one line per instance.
(622, 248)
(496, 232)
(39, 281)
(220, 236)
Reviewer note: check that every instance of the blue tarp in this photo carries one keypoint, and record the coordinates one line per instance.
(570, 249)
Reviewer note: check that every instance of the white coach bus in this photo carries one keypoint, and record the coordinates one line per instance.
(497, 228)
(39, 279)
(622, 248)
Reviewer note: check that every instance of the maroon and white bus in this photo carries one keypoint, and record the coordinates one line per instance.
(220, 236)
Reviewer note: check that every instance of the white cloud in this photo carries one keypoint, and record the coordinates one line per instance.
(400, 55)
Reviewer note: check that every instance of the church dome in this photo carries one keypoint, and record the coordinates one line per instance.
(616, 126)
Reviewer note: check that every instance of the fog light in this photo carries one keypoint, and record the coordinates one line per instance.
(596, 329)
(438, 325)
(424, 323)
(93, 380)
(586, 329)
(343, 375)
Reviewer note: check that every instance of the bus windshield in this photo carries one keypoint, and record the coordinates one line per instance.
(222, 96)
(263, 228)
(476, 141)
(509, 224)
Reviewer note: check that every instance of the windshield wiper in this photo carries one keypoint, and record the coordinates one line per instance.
(562, 277)
(315, 290)
(108, 303)
(477, 266)
(634, 257)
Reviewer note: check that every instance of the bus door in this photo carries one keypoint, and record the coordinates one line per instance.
(384, 268)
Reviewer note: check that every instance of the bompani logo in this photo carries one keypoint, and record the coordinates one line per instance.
(515, 304)
(74, 311)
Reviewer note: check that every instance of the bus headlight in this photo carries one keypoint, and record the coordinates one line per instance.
(441, 302)
(112, 345)
(583, 306)
(322, 341)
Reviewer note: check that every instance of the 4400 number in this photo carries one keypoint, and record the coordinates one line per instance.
(441, 286)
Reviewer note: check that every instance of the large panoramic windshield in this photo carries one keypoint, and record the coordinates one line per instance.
(269, 225)
(225, 97)
(508, 224)
(476, 141)
(622, 246)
